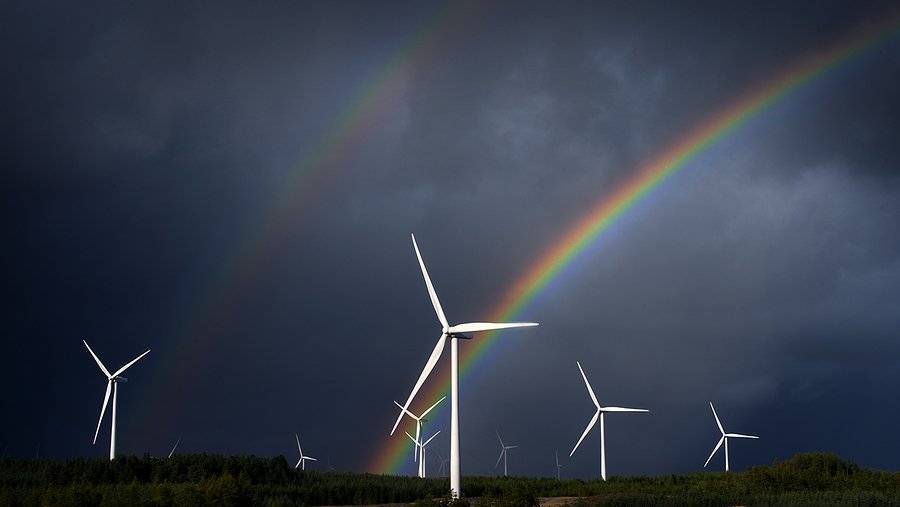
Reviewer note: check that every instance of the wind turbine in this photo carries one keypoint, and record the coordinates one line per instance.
(558, 466)
(174, 447)
(421, 447)
(454, 333)
(725, 437)
(444, 462)
(600, 413)
(303, 458)
(503, 453)
(419, 420)
(112, 384)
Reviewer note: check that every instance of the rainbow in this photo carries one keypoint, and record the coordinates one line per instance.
(589, 228)
(358, 119)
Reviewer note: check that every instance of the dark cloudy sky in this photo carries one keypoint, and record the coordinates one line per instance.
(145, 148)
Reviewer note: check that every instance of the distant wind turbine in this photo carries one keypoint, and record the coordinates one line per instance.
(725, 437)
(558, 466)
(421, 448)
(303, 458)
(454, 333)
(503, 453)
(419, 420)
(174, 447)
(112, 384)
(444, 462)
(600, 413)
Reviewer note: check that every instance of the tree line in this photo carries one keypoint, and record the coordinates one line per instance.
(205, 479)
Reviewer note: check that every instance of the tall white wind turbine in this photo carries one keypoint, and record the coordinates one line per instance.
(558, 466)
(503, 453)
(419, 420)
(112, 385)
(600, 413)
(303, 458)
(725, 437)
(454, 333)
(420, 446)
(444, 462)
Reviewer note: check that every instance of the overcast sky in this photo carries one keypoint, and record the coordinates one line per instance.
(156, 194)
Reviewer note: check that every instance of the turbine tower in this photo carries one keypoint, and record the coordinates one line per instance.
(503, 453)
(420, 446)
(600, 413)
(558, 466)
(725, 437)
(303, 458)
(112, 385)
(454, 333)
(419, 420)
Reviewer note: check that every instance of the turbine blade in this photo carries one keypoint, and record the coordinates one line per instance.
(474, 327)
(430, 439)
(406, 411)
(511, 446)
(298, 463)
(498, 437)
(500, 457)
(103, 409)
(622, 409)
(557, 458)
(298, 444)
(714, 451)
(309, 458)
(432, 360)
(122, 369)
(588, 384)
(175, 447)
(433, 295)
(100, 364)
(738, 435)
(586, 430)
(718, 422)
(411, 438)
(431, 407)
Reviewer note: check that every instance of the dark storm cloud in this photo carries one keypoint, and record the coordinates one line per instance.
(144, 145)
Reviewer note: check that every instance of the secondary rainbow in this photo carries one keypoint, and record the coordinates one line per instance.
(371, 99)
(589, 228)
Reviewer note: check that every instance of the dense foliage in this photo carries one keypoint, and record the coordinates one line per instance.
(805, 479)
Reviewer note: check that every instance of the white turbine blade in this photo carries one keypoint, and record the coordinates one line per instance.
(718, 422)
(174, 447)
(622, 409)
(122, 369)
(511, 446)
(411, 438)
(406, 411)
(588, 384)
(430, 439)
(100, 364)
(309, 458)
(298, 463)
(103, 410)
(474, 327)
(714, 451)
(586, 430)
(557, 458)
(433, 295)
(431, 407)
(500, 457)
(432, 360)
(498, 438)
(738, 435)
(298, 444)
